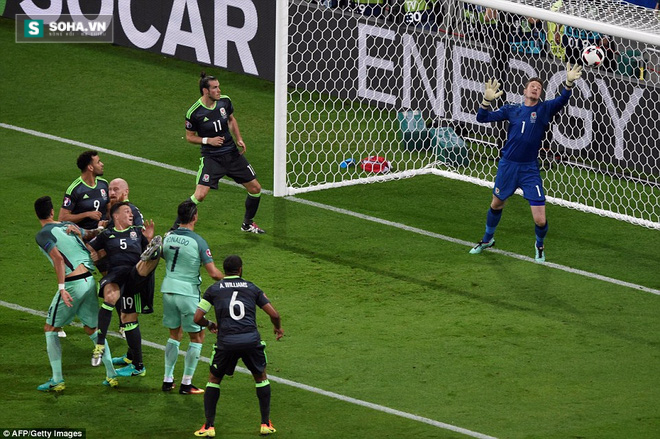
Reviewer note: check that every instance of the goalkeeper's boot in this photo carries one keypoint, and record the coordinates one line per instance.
(132, 371)
(539, 255)
(267, 428)
(49, 385)
(168, 386)
(121, 361)
(481, 245)
(189, 389)
(111, 382)
(97, 354)
(205, 432)
(153, 249)
(252, 228)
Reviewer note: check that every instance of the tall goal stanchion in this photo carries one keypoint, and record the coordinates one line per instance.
(350, 87)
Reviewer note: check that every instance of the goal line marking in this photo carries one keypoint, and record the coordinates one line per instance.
(284, 381)
(340, 211)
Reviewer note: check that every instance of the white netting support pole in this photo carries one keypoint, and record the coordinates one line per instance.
(281, 72)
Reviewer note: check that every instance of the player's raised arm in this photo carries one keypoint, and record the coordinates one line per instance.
(491, 92)
(572, 74)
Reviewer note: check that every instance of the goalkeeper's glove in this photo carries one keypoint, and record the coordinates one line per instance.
(491, 92)
(572, 74)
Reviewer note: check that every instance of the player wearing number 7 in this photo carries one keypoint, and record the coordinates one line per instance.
(235, 301)
(518, 166)
(184, 251)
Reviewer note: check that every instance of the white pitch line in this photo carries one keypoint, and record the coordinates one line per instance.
(345, 212)
(295, 384)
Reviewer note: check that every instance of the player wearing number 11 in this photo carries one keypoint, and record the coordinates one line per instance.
(210, 123)
(518, 166)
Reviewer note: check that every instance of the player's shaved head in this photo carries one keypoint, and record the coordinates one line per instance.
(118, 189)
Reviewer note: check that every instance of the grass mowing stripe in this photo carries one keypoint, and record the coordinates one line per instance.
(341, 211)
(284, 381)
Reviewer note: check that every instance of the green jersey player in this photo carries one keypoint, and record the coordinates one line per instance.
(61, 243)
(184, 251)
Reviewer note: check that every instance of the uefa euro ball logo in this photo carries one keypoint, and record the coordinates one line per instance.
(33, 28)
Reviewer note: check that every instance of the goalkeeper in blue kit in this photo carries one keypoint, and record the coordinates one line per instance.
(518, 166)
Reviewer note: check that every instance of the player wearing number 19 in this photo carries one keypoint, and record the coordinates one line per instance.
(184, 251)
(235, 301)
(131, 261)
(210, 123)
(518, 166)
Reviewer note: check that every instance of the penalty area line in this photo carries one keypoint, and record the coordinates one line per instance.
(290, 383)
(340, 211)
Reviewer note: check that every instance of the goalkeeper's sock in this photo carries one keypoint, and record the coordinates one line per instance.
(211, 397)
(251, 207)
(105, 316)
(54, 349)
(263, 393)
(134, 340)
(540, 234)
(492, 220)
(171, 355)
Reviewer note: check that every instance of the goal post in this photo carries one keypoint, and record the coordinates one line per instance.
(350, 87)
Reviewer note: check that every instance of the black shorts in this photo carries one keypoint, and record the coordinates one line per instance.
(132, 287)
(233, 165)
(225, 359)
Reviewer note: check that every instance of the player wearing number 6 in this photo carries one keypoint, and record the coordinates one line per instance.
(184, 251)
(518, 166)
(235, 301)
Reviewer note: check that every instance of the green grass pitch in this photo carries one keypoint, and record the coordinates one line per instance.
(496, 345)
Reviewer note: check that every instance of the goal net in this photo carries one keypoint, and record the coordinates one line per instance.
(356, 86)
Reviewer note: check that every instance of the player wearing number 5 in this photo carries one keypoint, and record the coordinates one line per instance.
(184, 251)
(210, 123)
(518, 167)
(132, 253)
(235, 301)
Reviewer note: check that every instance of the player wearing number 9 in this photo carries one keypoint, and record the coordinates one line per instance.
(235, 301)
(518, 166)
(86, 198)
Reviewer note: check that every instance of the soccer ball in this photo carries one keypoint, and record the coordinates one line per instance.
(593, 56)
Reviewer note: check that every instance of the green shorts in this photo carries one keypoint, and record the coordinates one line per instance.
(179, 310)
(85, 304)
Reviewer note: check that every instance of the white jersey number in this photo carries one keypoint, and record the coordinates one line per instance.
(235, 303)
